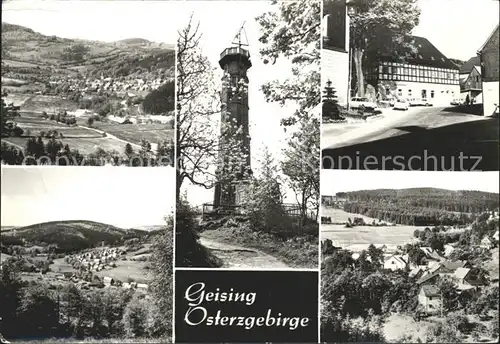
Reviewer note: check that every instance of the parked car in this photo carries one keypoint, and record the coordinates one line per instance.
(401, 104)
(358, 102)
(413, 101)
(426, 102)
(457, 101)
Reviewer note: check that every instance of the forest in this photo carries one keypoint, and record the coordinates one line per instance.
(420, 206)
(161, 100)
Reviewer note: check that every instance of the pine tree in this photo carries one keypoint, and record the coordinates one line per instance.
(331, 108)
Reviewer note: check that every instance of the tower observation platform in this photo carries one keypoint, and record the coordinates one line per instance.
(235, 54)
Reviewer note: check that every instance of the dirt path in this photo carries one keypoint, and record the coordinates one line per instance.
(234, 256)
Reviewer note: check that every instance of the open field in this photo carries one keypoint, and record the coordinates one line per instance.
(7, 228)
(13, 82)
(60, 265)
(39, 103)
(126, 269)
(83, 145)
(341, 216)
(17, 99)
(37, 124)
(13, 63)
(154, 133)
(4, 257)
(360, 237)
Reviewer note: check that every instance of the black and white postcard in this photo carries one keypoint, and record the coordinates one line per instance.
(409, 257)
(88, 83)
(407, 85)
(248, 125)
(86, 255)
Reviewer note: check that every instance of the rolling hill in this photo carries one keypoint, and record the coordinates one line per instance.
(25, 51)
(70, 235)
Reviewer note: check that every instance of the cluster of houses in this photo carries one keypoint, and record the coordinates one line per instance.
(113, 282)
(98, 259)
(106, 281)
(129, 87)
(437, 265)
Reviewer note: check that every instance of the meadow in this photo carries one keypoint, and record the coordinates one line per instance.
(359, 238)
(340, 216)
(85, 145)
(127, 270)
(134, 133)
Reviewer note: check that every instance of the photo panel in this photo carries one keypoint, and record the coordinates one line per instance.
(407, 96)
(409, 256)
(248, 135)
(81, 94)
(86, 254)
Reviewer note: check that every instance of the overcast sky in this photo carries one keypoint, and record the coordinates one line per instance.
(333, 181)
(458, 28)
(120, 196)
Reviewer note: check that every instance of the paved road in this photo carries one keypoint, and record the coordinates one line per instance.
(443, 133)
(234, 256)
(395, 123)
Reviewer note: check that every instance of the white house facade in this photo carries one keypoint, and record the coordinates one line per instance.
(425, 73)
(335, 53)
(489, 55)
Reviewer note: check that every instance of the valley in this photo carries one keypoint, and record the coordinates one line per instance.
(92, 101)
(100, 268)
(410, 265)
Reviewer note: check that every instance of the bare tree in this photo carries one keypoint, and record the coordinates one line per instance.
(205, 145)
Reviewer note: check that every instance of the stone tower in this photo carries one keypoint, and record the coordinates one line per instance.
(235, 62)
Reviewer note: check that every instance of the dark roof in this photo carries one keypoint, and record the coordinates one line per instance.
(467, 66)
(490, 37)
(426, 278)
(430, 290)
(426, 54)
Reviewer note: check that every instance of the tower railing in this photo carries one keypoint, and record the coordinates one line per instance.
(235, 51)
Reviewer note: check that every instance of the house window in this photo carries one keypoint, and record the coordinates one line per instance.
(387, 90)
(477, 78)
(400, 92)
(409, 93)
(432, 93)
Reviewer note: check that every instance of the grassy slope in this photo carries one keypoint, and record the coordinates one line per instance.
(298, 253)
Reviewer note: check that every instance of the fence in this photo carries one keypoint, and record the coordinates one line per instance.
(291, 209)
